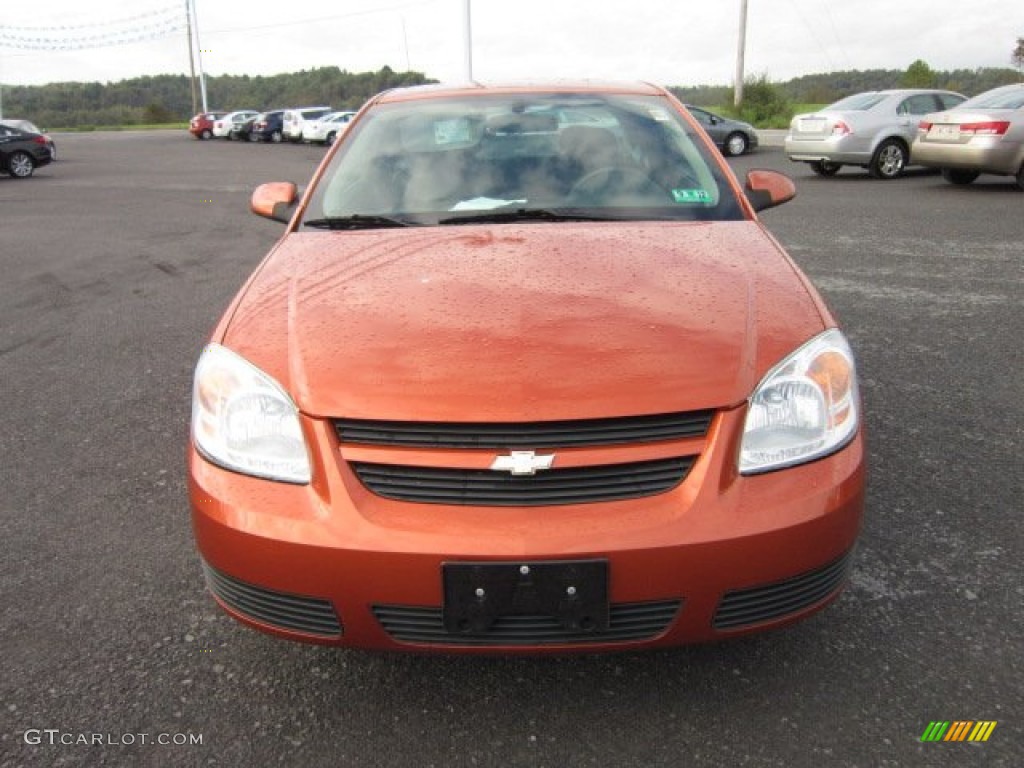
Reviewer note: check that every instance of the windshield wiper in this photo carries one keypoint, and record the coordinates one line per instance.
(524, 214)
(358, 221)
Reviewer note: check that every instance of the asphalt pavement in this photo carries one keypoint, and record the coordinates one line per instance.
(116, 261)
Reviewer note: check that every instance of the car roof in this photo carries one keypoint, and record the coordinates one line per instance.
(439, 90)
(905, 91)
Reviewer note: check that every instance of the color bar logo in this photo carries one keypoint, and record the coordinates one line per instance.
(958, 730)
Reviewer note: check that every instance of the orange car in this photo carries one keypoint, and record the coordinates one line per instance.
(525, 374)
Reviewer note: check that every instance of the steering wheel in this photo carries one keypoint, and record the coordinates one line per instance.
(607, 184)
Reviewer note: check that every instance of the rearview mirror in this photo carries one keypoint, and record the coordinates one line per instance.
(766, 189)
(275, 200)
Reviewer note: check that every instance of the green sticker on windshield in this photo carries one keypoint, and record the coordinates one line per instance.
(691, 196)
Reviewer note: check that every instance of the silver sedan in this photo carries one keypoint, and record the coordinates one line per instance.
(872, 130)
(983, 135)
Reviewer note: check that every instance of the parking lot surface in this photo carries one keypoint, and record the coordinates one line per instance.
(117, 260)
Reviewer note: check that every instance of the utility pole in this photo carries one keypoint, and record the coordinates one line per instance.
(405, 39)
(191, 55)
(199, 57)
(738, 98)
(468, 30)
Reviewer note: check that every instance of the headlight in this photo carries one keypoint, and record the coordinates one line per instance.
(805, 408)
(243, 420)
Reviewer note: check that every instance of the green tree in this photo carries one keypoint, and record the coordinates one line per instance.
(1017, 57)
(154, 114)
(764, 104)
(918, 75)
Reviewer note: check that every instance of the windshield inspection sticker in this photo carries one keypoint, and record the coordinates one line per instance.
(454, 131)
(691, 196)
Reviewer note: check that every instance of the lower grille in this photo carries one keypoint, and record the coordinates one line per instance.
(481, 487)
(296, 613)
(744, 607)
(629, 622)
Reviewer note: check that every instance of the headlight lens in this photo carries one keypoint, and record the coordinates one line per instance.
(805, 408)
(243, 420)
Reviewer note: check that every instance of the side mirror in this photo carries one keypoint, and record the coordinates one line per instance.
(766, 189)
(275, 200)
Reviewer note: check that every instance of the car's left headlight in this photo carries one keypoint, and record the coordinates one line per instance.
(806, 407)
(244, 420)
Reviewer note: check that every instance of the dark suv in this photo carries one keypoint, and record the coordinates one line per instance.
(268, 126)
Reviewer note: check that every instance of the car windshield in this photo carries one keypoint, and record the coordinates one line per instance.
(1001, 99)
(509, 157)
(861, 102)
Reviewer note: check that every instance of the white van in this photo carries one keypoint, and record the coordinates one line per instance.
(295, 120)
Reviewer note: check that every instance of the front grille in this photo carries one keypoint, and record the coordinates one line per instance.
(311, 615)
(530, 435)
(482, 487)
(628, 622)
(744, 607)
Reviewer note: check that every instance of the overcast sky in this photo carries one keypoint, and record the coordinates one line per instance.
(672, 42)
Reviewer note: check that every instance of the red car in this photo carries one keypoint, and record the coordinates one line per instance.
(525, 374)
(201, 126)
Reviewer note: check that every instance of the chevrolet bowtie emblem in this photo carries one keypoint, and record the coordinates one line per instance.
(523, 462)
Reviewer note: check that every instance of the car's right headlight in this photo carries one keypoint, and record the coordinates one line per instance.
(244, 420)
(805, 408)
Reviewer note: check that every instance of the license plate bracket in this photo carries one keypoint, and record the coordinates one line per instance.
(574, 592)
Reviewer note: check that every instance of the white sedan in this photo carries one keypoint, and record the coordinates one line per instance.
(222, 126)
(327, 128)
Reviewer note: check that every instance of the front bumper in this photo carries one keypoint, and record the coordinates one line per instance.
(719, 555)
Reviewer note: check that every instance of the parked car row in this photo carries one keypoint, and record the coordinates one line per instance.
(322, 125)
(310, 124)
(885, 131)
(881, 131)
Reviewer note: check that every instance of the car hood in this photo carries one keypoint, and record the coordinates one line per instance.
(522, 322)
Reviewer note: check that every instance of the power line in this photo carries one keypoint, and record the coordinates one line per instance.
(320, 19)
(89, 25)
(152, 25)
(807, 23)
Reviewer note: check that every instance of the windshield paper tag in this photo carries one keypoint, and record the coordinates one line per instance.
(691, 196)
(451, 132)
